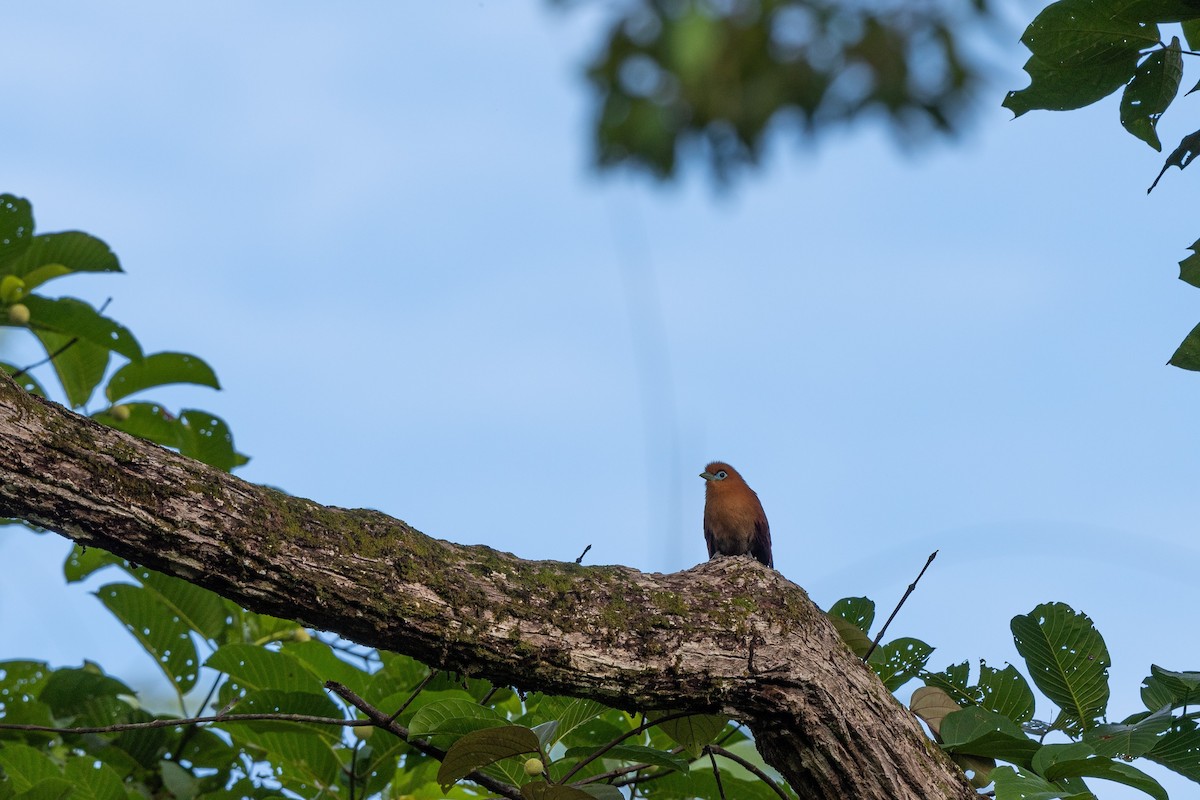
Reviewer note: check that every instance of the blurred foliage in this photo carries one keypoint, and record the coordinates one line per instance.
(718, 76)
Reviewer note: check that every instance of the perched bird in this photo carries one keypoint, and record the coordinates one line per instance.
(734, 522)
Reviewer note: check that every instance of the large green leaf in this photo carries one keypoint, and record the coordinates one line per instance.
(635, 754)
(1189, 268)
(1108, 770)
(197, 608)
(161, 633)
(572, 713)
(1017, 784)
(1006, 692)
(540, 790)
(323, 662)
(66, 691)
(1154, 86)
(79, 364)
(25, 766)
(1082, 50)
(693, 732)
(50, 255)
(1187, 355)
(1179, 750)
(75, 318)
(93, 781)
(453, 716)
(979, 732)
(254, 667)
(953, 681)
(482, 748)
(83, 561)
(159, 369)
(1067, 659)
(148, 421)
(858, 611)
(1130, 740)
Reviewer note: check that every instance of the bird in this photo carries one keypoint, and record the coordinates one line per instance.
(734, 520)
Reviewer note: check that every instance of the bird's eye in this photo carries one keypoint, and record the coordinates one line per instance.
(722, 475)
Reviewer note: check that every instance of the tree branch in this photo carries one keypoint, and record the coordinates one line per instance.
(728, 636)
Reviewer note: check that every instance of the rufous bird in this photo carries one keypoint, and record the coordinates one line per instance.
(734, 521)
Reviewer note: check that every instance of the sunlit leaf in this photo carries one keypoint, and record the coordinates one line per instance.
(453, 716)
(161, 633)
(16, 229)
(257, 668)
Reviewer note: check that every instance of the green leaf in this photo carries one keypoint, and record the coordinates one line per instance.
(16, 229)
(1006, 692)
(253, 667)
(1189, 268)
(1068, 661)
(953, 681)
(858, 611)
(83, 561)
(635, 754)
(197, 608)
(979, 732)
(1082, 51)
(695, 731)
(899, 661)
(481, 748)
(1191, 33)
(1130, 740)
(1154, 86)
(159, 369)
(453, 716)
(25, 766)
(322, 661)
(1108, 770)
(161, 633)
(1179, 750)
(92, 780)
(148, 421)
(66, 691)
(571, 712)
(274, 701)
(75, 318)
(1050, 754)
(79, 364)
(1187, 355)
(206, 437)
(73, 251)
(26, 381)
(1017, 784)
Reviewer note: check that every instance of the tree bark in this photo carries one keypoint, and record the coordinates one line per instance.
(728, 636)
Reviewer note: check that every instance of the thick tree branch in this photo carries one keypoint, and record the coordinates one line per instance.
(728, 636)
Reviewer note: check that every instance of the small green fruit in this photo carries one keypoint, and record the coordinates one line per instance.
(119, 413)
(302, 635)
(18, 314)
(363, 732)
(534, 766)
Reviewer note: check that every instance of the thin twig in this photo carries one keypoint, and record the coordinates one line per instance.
(581, 555)
(716, 771)
(911, 587)
(758, 773)
(645, 726)
(432, 674)
(177, 723)
(25, 370)
(621, 772)
(379, 719)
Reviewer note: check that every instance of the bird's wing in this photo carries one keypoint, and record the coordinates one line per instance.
(760, 548)
(708, 540)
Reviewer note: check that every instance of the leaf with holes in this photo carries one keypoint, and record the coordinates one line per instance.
(858, 611)
(899, 661)
(1147, 96)
(1068, 660)
(75, 318)
(253, 667)
(205, 437)
(481, 748)
(1005, 691)
(160, 632)
(199, 609)
(1130, 739)
(159, 369)
(80, 365)
(1179, 750)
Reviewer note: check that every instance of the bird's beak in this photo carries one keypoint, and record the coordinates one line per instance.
(708, 476)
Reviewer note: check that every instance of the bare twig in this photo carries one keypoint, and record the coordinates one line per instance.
(716, 772)
(581, 555)
(121, 727)
(749, 767)
(432, 674)
(645, 726)
(381, 720)
(911, 587)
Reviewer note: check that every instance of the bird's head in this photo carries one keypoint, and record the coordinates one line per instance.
(717, 473)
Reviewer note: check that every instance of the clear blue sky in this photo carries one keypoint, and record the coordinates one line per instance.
(378, 222)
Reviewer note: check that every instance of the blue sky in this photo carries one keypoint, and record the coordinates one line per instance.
(379, 224)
